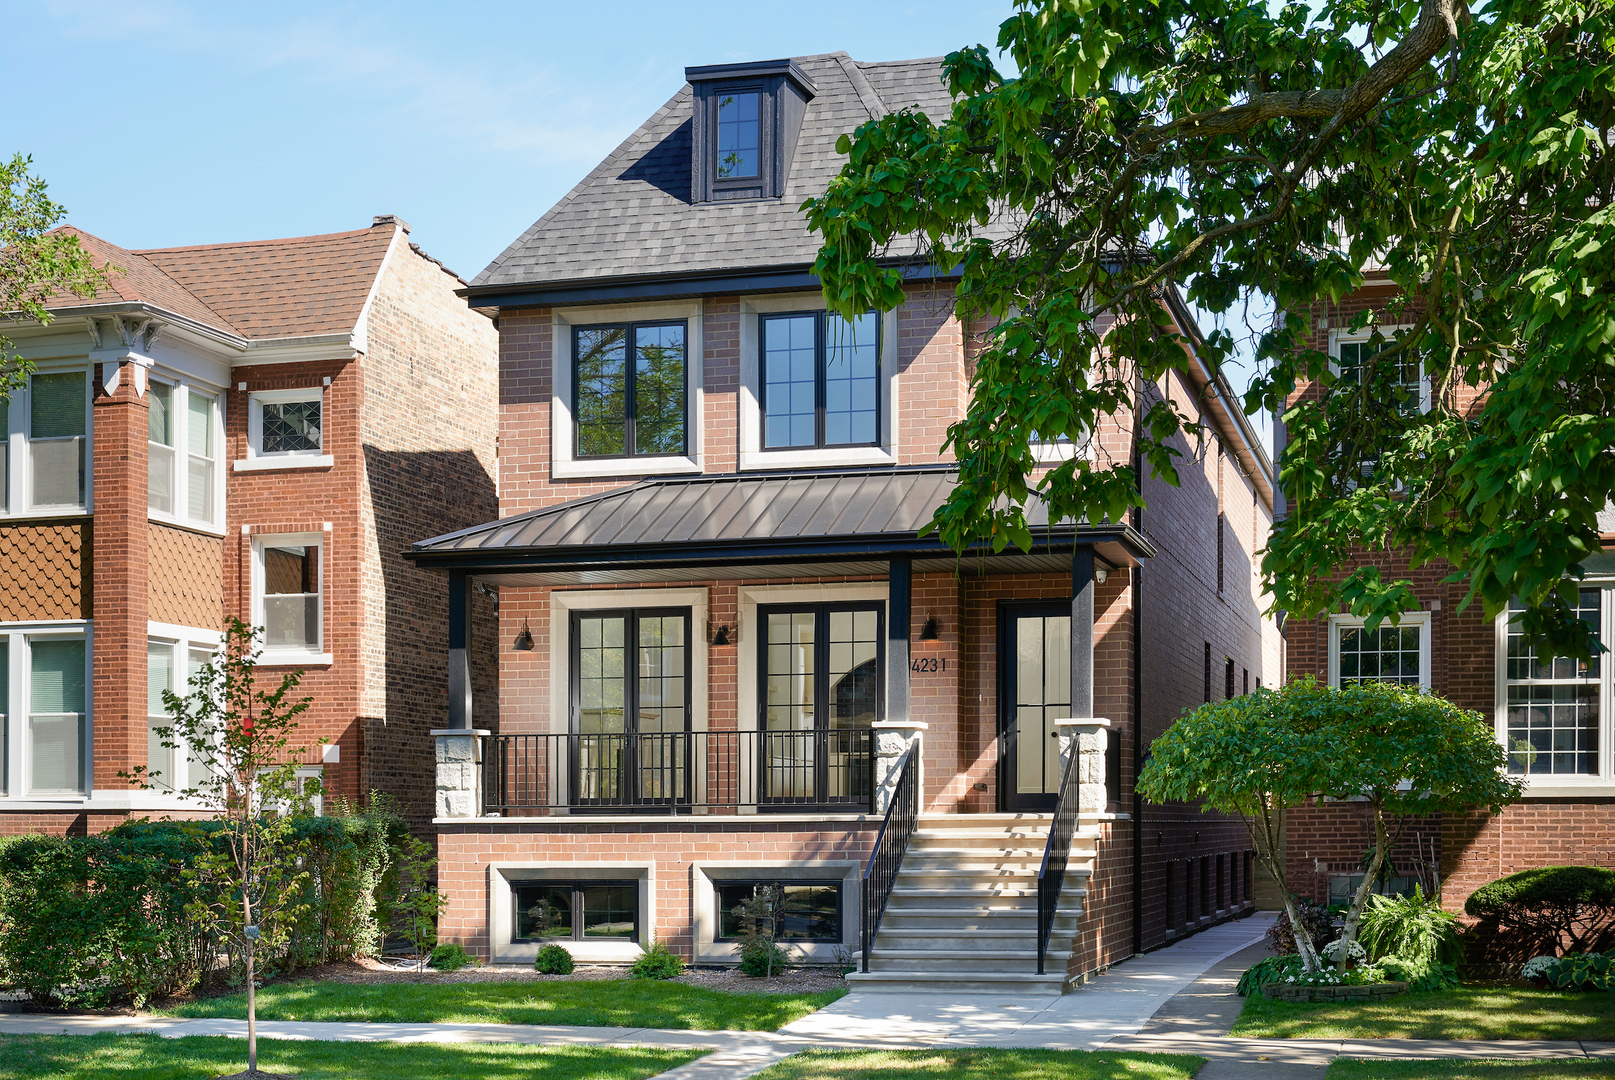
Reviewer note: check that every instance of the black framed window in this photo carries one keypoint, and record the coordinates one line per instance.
(575, 910)
(739, 134)
(811, 910)
(631, 706)
(629, 384)
(821, 380)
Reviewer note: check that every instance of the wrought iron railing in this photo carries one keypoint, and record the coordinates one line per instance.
(678, 772)
(1056, 854)
(891, 844)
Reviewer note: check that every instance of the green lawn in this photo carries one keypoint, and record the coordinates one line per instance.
(150, 1057)
(607, 1003)
(981, 1065)
(1483, 1012)
(1562, 1069)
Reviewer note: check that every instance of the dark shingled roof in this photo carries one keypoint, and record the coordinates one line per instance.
(632, 215)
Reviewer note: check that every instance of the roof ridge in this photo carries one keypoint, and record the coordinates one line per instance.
(873, 105)
(565, 200)
(255, 243)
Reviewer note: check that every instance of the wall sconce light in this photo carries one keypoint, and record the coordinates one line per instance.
(722, 636)
(524, 640)
(931, 630)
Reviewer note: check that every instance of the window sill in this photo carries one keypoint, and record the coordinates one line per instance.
(1580, 787)
(294, 659)
(754, 460)
(173, 522)
(47, 512)
(259, 464)
(645, 466)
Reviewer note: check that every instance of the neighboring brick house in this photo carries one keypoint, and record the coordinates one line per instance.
(254, 430)
(719, 629)
(1560, 709)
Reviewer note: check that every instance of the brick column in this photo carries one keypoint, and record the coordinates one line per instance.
(119, 572)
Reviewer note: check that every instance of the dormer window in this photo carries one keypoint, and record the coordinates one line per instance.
(745, 123)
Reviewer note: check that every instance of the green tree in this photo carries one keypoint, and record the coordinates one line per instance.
(35, 264)
(1405, 753)
(238, 740)
(1244, 149)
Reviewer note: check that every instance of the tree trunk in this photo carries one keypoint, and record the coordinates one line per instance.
(1267, 844)
(252, 995)
(1354, 914)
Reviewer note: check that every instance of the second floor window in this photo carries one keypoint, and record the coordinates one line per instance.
(1353, 359)
(58, 419)
(821, 380)
(289, 586)
(180, 453)
(629, 387)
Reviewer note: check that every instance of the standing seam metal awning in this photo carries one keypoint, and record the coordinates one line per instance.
(754, 524)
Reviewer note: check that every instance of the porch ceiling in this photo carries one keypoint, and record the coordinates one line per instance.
(753, 526)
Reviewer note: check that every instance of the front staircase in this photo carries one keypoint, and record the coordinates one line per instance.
(963, 909)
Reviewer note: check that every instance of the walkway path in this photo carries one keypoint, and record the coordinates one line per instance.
(1176, 1000)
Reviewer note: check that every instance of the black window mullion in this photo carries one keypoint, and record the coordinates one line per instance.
(630, 394)
(821, 325)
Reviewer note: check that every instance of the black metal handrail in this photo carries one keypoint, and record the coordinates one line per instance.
(678, 772)
(891, 844)
(1057, 852)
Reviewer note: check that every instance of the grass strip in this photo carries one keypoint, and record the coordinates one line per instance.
(1464, 1013)
(1546, 1069)
(982, 1065)
(605, 1003)
(151, 1057)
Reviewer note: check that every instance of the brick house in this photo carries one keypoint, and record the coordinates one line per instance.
(1559, 709)
(247, 429)
(728, 661)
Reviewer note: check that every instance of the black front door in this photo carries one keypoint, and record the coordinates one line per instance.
(631, 711)
(1034, 690)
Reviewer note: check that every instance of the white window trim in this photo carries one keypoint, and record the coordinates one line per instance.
(256, 459)
(180, 481)
(1337, 338)
(289, 657)
(501, 876)
(752, 454)
(182, 639)
(564, 465)
(1567, 784)
(19, 757)
(1420, 619)
(20, 461)
(562, 604)
(707, 876)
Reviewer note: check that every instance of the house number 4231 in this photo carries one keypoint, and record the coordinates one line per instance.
(928, 663)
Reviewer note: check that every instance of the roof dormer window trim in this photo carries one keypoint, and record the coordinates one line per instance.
(783, 90)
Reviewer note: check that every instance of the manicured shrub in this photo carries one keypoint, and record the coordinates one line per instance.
(659, 962)
(1549, 909)
(760, 958)
(1411, 928)
(1315, 917)
(553, 960)
(449, 957)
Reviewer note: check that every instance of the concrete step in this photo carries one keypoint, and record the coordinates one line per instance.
(927, 864)
(956, 982)
(964, 920)
(987, 962)
(964, 942)
(958, 896)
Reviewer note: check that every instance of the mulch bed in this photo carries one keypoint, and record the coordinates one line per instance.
(803, 980)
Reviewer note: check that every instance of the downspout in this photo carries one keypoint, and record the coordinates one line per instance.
(1138, 759)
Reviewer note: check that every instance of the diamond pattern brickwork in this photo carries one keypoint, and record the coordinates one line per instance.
(184, 577)
(46, 571)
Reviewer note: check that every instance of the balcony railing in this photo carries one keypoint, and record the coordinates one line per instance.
(678, 772)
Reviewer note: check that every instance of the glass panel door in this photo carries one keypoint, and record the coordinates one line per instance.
(632, 713)
(602, 660)
(1035, 691)
(791, 681)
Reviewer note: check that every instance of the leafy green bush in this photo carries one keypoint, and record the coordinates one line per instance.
(1411, 928)
(553, 960)
(449, 957)
(1582, 971)
(1550, 907)
(1420, 975)
(659, 962)
(1266, 970)
(1314, 916)
(761, 958)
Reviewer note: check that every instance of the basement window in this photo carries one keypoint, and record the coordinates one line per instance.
(575, 911)
(811, 910)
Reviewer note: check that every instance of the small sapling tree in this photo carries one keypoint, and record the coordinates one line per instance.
(237, 738)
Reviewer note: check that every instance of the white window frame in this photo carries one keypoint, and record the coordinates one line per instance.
(18, 494)
(289, 657)
(179, 480)
(1337, 338)
(752, 454)
(19, 710)
(1420, 619)
(1568, 783)
(564, 464)
(182, 640)
(285, 459)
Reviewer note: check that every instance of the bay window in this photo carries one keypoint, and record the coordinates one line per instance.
(181, 449)
(58, 432)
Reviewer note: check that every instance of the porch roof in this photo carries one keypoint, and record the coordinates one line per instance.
(754, 525)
